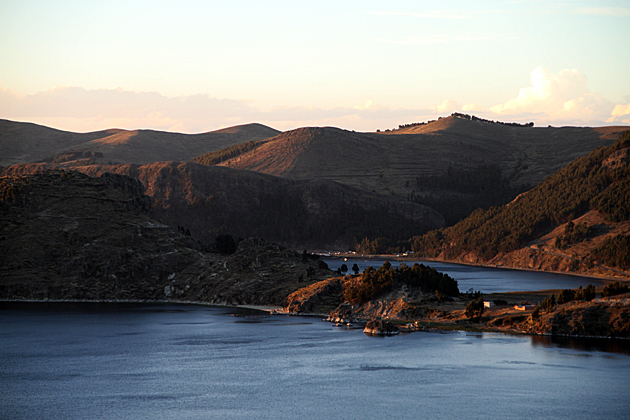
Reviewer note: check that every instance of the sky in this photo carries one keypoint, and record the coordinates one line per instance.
(193, 66)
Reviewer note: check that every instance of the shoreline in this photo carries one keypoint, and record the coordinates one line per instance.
(262, 308)
(422, 325)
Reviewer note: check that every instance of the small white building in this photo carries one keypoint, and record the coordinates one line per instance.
(488, 304)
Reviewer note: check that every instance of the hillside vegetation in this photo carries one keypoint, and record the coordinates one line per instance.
(331, 187)
(597, 182)
(219, 156)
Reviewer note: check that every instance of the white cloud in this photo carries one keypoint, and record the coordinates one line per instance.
(561, 98)
(107, 108)
(368, 105)
(79, 109)
(621, 110)
(557, 99)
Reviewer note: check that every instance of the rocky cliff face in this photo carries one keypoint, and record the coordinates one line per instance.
(67, 236)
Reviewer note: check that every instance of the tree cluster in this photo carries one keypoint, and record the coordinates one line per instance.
(381, 245)
(226, 244)
(615, 289)
(474, 118)
(614, 202)
(573, 234)
(216, 157)
(462, 190)
(374, 283)
(614, 252)
(568, 295)
(549, 303)
(474, 308)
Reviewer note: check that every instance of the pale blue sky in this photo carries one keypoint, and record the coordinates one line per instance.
(194, 66)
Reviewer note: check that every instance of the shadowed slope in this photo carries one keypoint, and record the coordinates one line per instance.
(577, 219)
(211, 200)
(67, 236)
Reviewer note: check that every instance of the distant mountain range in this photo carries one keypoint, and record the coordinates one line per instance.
(27, 143)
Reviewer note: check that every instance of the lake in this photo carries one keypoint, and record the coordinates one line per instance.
(483, 279)
(167, 361)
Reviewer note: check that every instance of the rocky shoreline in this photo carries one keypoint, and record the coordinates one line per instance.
(411, 309)
(499, 320)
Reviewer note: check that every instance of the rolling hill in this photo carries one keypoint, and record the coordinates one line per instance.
(392, 162)
(453, 165)
(318, 186)
(26, 143)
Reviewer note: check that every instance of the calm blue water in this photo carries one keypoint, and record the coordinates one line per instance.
(484, 279)
(151, 361)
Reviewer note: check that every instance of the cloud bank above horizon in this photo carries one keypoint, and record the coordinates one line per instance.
(557, 99)
(364, 65)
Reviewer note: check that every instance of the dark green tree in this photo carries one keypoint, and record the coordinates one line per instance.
(589, 292)
(614, 289)
(536, 312)
(565, 296)
(355, 268)
(474, 308)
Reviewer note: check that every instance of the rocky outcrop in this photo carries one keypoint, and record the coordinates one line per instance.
(606, 317)
(319, 298)
(381, 327)
(67, 236)
(327, 298)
